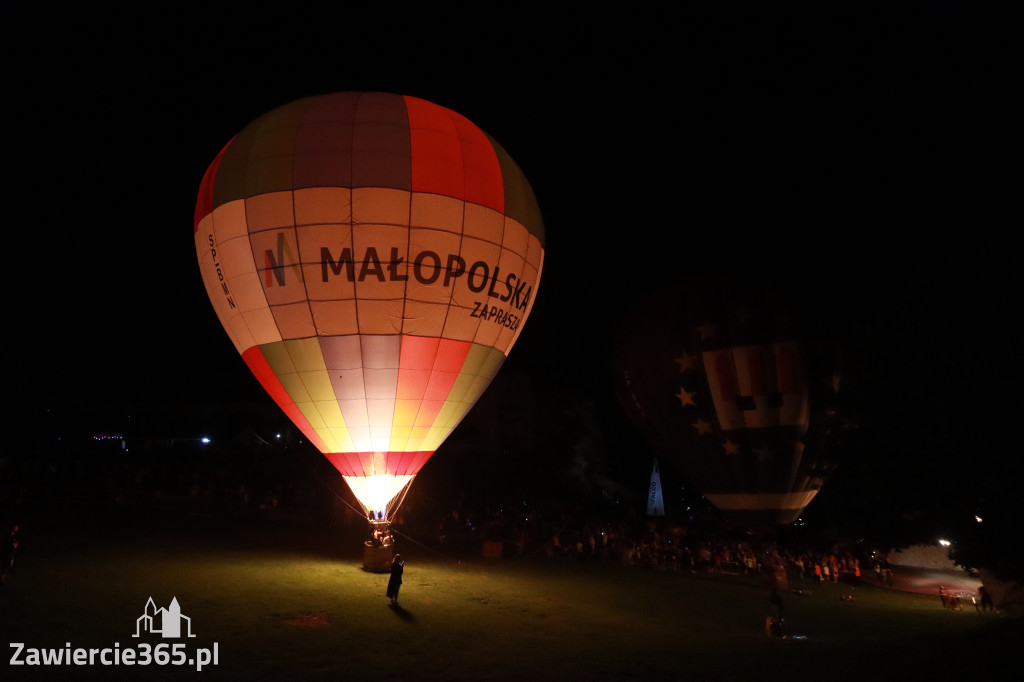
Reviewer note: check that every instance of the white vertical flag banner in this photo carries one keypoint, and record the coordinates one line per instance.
(655, 500)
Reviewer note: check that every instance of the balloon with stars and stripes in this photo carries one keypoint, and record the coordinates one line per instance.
(726, 385)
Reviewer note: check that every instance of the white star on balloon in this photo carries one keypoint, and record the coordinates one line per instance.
(686, 361)
(703, 427)
(685, 397)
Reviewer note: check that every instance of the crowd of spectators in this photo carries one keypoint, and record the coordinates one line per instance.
(266, 482)
(553, 531)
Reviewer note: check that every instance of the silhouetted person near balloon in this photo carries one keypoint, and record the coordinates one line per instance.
(986, 599)
(774, 622)
(395, 581)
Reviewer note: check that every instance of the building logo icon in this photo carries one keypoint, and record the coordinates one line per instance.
(167, 622)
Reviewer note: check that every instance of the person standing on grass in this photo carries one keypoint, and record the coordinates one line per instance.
(774, 623)
(776, 602)
(7, 553)
(986, 599)
(395, 581)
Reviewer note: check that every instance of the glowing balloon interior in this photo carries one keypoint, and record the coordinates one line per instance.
(373, 258)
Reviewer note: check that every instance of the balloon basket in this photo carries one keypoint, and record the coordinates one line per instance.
(377, 559)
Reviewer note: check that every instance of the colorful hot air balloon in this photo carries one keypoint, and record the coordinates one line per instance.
(373, 258)
(726, 386)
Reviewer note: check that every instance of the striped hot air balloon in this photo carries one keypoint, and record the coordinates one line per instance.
(728, 387)
(373, 258)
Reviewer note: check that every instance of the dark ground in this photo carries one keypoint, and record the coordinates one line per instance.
(250, 585)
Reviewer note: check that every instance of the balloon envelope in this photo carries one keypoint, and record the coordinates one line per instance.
(373, 258)
(725, 386)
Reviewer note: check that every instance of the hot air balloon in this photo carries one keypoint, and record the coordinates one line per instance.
(373, 258)
(728, 387)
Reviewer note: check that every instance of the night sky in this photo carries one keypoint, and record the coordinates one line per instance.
(861, 157)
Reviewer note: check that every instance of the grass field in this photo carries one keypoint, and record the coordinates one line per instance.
(286, 602)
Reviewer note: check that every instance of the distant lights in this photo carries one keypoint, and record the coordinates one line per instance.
(977, 518)
(944, 543)
(204, 440)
